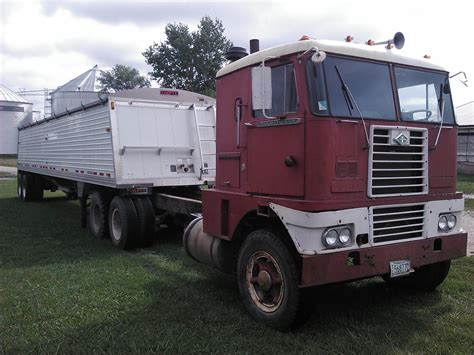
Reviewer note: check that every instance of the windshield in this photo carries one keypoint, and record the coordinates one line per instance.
(421, 95)
(368, 82)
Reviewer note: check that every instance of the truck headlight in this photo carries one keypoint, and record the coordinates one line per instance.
(337, 237)
(446, 222)
(345, 236)
(452, 221)
(443, 223)
(330, 238)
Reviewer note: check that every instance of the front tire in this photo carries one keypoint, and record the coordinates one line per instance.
(425, 278)
(268, 280)
(123, 222)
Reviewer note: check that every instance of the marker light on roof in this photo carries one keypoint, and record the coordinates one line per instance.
(349, 38)
(304, 38)
(370, 42)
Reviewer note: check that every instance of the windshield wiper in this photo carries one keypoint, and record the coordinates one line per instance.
(349, 100)
(441, 102)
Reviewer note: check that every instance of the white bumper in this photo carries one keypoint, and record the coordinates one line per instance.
(306, 228)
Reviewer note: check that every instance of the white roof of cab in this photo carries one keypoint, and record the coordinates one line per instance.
(378, 52)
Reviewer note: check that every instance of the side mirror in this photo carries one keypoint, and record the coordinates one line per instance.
(261, 88)
(318, 57)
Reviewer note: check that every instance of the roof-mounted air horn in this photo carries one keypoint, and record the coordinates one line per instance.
(398, 41)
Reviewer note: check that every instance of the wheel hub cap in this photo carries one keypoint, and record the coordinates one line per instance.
(264, 280)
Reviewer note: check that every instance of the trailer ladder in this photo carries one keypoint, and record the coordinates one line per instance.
(200, 127)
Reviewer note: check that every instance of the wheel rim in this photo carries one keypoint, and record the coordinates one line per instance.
(116, 225)
(96, 214)
(265, 282)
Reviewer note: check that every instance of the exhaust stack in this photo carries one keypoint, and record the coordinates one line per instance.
(254, 45)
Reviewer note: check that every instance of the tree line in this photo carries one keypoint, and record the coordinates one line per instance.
(187, 60)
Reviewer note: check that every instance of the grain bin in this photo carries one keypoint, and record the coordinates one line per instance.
(13, 109)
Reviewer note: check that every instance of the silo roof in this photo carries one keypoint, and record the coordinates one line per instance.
(9, 96)
(87, 81)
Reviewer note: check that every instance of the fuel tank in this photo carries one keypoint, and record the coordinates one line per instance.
(207, 249)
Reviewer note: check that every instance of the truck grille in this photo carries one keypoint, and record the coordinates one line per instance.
(398, 161)
(397, 223)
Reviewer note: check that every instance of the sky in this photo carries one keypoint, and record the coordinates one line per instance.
(45, 43)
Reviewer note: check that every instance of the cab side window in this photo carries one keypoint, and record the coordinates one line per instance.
(284, 96)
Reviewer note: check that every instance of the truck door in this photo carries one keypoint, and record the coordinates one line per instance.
(275, 137)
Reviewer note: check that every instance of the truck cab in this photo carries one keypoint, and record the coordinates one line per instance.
(335, 162)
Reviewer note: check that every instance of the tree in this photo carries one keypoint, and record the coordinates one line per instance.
(122, 77)
(189, 60)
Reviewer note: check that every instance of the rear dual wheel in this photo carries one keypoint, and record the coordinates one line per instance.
(30, 187)
(98, 215)
(131, 222)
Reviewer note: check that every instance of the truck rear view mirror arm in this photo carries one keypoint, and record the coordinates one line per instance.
(262, 87)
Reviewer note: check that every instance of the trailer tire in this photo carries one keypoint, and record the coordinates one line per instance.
(425, 278)
(146, 220)
(268, 281)
(27, 187)
(19, 183)
(123, 222)
(38, 190)
(98, 215)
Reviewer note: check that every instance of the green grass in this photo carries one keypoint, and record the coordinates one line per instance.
(469, 204)
(7, 160)
(466, 183)
(63, 292)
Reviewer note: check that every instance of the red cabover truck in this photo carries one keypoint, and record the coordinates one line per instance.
(335, 162)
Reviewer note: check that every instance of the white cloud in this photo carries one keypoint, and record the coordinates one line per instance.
(45, 44)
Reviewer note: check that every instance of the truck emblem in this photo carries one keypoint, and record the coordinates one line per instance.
(401, 139)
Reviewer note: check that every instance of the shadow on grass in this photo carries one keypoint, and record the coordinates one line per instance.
(201, 311)
(45, 232)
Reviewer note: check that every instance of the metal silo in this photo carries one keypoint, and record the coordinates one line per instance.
(76, 92)
(13, 109)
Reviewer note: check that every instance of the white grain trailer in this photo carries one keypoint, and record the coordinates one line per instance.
(132, 158)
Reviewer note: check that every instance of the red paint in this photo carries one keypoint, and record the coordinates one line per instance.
(331, 268)
(330, 173)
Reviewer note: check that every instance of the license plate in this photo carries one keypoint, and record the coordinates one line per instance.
(400, 268)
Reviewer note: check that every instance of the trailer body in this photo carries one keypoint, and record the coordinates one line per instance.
(125, 141)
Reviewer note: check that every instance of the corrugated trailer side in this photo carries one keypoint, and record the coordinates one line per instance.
(76, 146)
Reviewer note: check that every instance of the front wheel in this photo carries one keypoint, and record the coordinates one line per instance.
(268, 280)
(425, 278)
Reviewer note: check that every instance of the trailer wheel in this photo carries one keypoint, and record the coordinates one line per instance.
(98, 214)
(27, 187)
(38, 190)
(425, 278)
(268, 280)
(123, 222)
(146, 220)
(19, 183)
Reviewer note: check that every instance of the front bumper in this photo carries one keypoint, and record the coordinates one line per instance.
(334, 267)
